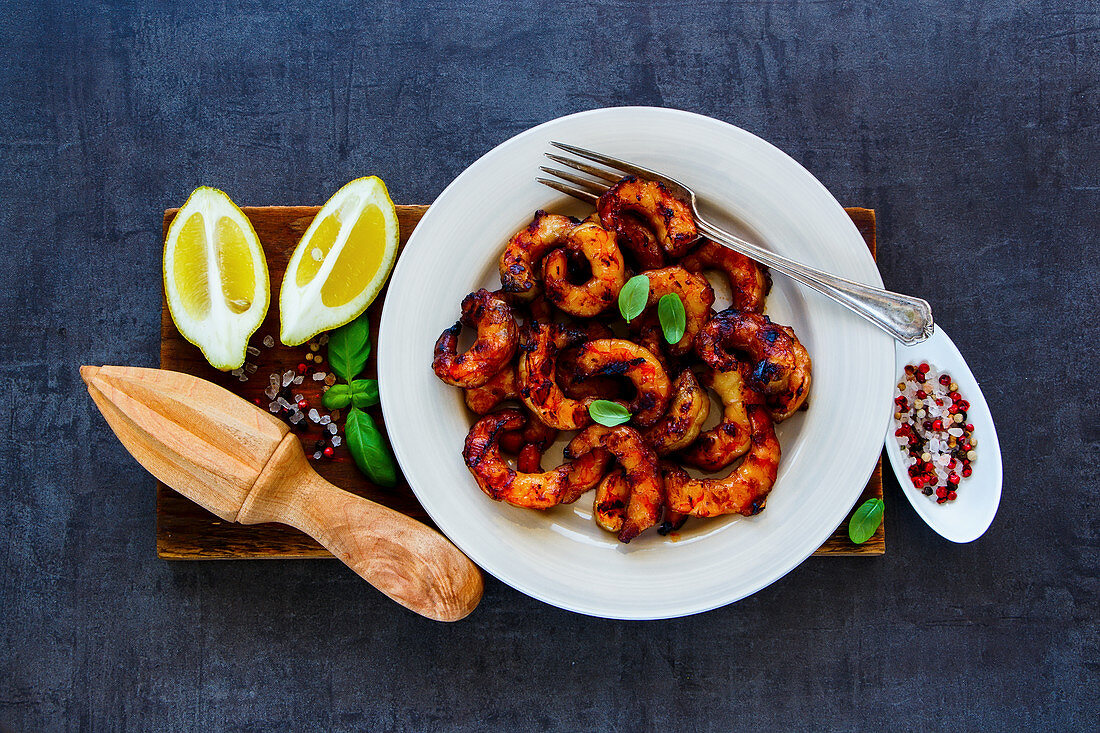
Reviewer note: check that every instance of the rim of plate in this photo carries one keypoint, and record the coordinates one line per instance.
(773, 199)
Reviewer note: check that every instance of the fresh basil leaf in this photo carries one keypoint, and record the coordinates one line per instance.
(349, 347)
(608, 413)
(865, 520)
(369, 449)
(670, 310)
(633, 297)
(364, 393)
(337, 397)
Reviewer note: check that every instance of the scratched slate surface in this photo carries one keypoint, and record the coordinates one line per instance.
(970, 127)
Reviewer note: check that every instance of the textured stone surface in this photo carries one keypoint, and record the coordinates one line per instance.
(971, 127)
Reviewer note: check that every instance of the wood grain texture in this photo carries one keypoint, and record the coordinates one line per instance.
(244, 465)
(185, 531)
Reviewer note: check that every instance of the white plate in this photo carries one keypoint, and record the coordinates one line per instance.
(561, 556)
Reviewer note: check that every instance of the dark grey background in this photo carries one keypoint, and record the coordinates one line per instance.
(971, 127)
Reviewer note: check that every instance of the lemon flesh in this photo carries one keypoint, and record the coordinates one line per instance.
(215, 277)
(341, 263)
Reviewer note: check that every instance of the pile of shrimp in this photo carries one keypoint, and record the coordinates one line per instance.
(551, 341)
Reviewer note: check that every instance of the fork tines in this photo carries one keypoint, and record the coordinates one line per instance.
(582, 188)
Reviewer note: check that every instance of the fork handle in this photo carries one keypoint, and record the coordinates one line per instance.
(906, 318)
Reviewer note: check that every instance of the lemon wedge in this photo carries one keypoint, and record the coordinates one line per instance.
(341, 263)
(215, 277)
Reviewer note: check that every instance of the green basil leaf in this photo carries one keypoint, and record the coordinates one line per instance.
(337, 397)
(608, 413)
(670, 310)
(369, 449)
(865, 520)
(364, 393)
(633, 297)
(349, 347)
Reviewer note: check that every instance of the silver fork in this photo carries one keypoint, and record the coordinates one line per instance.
(906, 318)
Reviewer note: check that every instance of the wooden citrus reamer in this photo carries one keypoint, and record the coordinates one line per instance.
(244, 465)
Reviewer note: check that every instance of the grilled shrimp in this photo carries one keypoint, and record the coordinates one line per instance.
(597, 245)
(646, 332)
(612, 496)
(746, 489)
(543, 490)
(529, 459)
(497, 336)
(687, 412)
(617, 357)
(781, 364)
(600, 388)
(579, 387)
(537, 370)
(501, 386)
(729, 439)
(695, 293)
(749, 281)
(519, 272)
(671, 220)
(638, 244)
(639, 464)
(529, 443)
(672, 520)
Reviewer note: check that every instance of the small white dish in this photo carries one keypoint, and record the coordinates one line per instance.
(969, 516)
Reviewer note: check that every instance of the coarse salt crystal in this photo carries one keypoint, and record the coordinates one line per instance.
(332, 429)
(269, 341)
(273, 407)
(318, 376)
(288, 377)
(325, 420)
(317, 456)
(957, 432)
(314, 415)
(253, 350)
(281, 401)
(271, 392)
(337, 440)
(296, 417)
(298, 379)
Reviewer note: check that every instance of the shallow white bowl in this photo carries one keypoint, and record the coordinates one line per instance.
(561, 556)
(968, 517)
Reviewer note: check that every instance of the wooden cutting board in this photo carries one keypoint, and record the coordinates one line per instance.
(185, 531)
